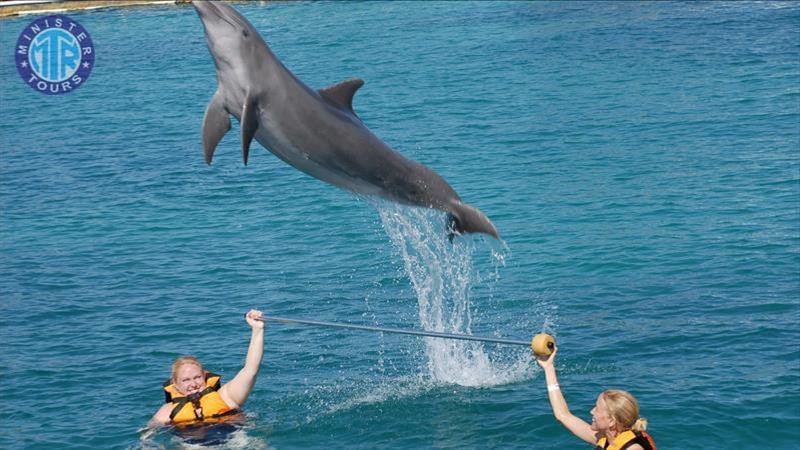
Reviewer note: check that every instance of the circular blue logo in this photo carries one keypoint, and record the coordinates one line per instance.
(54, 55)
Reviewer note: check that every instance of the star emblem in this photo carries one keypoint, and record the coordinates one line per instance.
(24, 64)
(86, 65)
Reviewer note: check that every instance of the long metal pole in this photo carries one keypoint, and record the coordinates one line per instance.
(463, 337)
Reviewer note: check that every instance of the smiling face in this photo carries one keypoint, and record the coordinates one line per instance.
(189, 379)
(601, 417)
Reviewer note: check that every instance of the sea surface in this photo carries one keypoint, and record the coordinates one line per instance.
(640, 160)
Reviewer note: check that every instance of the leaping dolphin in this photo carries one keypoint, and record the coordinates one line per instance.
(316, 132)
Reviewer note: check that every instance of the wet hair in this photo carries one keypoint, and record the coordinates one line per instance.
(624, 408)
(182, 361)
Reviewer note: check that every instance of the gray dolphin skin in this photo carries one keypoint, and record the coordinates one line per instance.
(316, 132)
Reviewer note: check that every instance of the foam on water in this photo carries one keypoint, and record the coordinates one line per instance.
(236, 440)
(329, 400)
(442, 273)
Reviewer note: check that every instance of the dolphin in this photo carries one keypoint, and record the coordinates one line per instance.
(317, 132)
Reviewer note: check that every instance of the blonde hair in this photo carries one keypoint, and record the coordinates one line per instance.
(182, 361)
(624, 408)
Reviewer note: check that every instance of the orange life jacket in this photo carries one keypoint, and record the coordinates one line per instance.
(625, 440)
(205, 406)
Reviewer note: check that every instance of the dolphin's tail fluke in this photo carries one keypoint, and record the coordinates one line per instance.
(463, 218)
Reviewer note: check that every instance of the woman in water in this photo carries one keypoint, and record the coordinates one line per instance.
(616, 424)
(194, 395)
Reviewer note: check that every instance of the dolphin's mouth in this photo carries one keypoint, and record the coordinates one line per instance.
(210, 11)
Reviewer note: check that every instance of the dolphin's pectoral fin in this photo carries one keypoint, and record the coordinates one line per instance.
(249, 124)
(341, 95)
(216, 123)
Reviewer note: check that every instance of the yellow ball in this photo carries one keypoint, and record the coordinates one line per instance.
(543, 345)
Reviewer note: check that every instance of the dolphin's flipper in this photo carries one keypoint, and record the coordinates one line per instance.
(341, 95)
(249, 124)
(216, 123)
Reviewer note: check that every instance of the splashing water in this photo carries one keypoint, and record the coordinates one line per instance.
(441, 273)
(218, 437)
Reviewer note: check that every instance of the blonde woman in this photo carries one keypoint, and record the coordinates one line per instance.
(616, 424)
(194, 395)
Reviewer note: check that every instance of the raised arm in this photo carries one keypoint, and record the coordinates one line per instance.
(236, 391)
(576, 425)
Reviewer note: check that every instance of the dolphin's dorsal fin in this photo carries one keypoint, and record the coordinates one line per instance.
(341, 95)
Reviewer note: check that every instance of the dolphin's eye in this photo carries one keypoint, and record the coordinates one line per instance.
(245, 33)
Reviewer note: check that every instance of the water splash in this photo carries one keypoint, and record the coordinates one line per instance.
(236, 437)
(441, 273)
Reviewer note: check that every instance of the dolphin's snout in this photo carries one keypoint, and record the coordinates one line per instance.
(207, 12)
(202, 7)
(212, 13)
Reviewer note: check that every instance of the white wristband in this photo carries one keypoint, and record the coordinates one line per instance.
(552, 387)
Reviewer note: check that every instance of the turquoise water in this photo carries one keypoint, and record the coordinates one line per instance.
(640, 160)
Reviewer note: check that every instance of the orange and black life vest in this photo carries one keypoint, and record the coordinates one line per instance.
(206, 405)
(625, 440)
